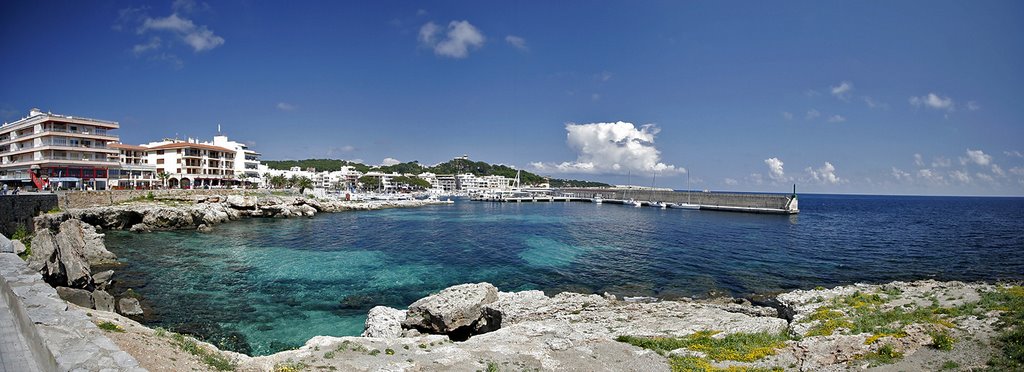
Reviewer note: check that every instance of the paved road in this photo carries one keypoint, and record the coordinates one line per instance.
(14, 353)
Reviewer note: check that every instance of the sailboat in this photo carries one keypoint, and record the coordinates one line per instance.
(686, 205)
(658, 204)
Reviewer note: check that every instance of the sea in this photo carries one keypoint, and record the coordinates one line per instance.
(259, 286)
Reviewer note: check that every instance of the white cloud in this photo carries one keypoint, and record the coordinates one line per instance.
(825, 175)
(611, 148)
(985, 177)
(960, 176)
(900, 175)
(461, 37)
(1017, 170)
(775, 171)
(941, 162)
(390, 161)
(812, 93)
(154, 43)
(517, 42)
(1014, 153)
(756, 178)
(918, 160)
(787, 115)
(979, 157)
(285, 106)
(931, 177)
(842, 91)
(812, 114)
(604, 76)
(731, 182)
(872, 103)
(933, 100)
(996, 170)
(199, 37)
(836, 119)
(973, 106)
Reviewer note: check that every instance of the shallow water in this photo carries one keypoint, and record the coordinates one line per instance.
(264, 285)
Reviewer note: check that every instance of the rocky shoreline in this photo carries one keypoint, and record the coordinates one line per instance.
(924, 325)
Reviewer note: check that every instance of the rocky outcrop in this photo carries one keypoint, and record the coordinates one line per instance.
(102, 300)
(384, 322)
(129, 306)
(103, 279)
(458, 311)
(76, 296)
(61, 257)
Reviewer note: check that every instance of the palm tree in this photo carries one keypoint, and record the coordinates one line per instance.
(303, 183)
(278, 181)
(163, 176)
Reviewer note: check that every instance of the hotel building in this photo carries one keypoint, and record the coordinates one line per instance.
(71, 151)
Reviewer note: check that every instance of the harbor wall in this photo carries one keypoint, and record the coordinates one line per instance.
(770, 201)
(101, 198)
(19, 210)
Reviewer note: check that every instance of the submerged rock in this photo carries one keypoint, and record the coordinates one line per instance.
(457, 310)
(384, 322)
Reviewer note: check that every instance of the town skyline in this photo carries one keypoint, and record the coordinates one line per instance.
(837, 98)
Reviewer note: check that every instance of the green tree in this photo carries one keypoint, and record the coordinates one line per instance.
(303, 183)
(163, 176)
(370, 182)
(278, 181)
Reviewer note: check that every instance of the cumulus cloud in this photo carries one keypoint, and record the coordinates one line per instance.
(931, 176)
(836, 119)
(460, 38)
(960, 176)
(153, 43)
(517, 42)
(873, 104)
(285, 106)
(978, 157)
(390, 161)
(933, 101)
(985, 177)
(775, 171)
(1014, 153)
(973, 106)
(941, 162)
(918, 160)
(842, 91)
(900, 175)
(824, 175)
(1017, 170)
(812, 114)
(731, 182)
(996, 170)
(611, 148)
(199, 37)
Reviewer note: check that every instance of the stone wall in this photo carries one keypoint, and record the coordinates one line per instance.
(85, 199)
(18, 210)
(60, 337)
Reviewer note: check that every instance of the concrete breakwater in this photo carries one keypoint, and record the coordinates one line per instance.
(738, 202)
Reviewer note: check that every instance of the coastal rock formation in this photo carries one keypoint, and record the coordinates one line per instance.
(61, 257)
(384, 322)
(102, 300)
(190, 213)
(76, 296)
(458, 311)
(129, 306)
(103, 279)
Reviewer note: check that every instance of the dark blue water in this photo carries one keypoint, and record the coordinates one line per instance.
(264, 285)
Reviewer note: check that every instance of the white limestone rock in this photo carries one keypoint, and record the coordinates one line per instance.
(384, 322)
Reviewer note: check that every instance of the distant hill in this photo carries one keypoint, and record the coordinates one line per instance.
(453, 166)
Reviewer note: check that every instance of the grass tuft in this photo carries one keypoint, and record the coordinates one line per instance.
(111, 327)
(942, 341)
(884, 355)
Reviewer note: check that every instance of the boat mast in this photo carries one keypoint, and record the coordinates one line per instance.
(687, 186)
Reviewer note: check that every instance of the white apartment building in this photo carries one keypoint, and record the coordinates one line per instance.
(246, 161)
(45, 148)
(189, 164)
(135, 171)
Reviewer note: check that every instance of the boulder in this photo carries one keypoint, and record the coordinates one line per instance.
(456, 311)
(140, 227)
(103, 279)
(129, 306)
(204, 228)
(71, 253)
(43, 249)
(384, 322)
(6, 245)
(76, 296)
(168, 219)
(103, 300)
(95, 251)
(19, 247)
(241, 202)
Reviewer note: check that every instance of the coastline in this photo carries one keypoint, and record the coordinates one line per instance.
(571, 330)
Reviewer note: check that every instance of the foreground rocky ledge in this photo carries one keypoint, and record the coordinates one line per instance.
(925, 325)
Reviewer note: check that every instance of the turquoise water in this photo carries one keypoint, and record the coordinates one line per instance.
(264, 285)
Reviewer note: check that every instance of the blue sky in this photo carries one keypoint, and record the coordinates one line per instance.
(844, 97)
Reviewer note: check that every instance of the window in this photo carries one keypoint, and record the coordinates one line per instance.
(159, 152)
(160, 161)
